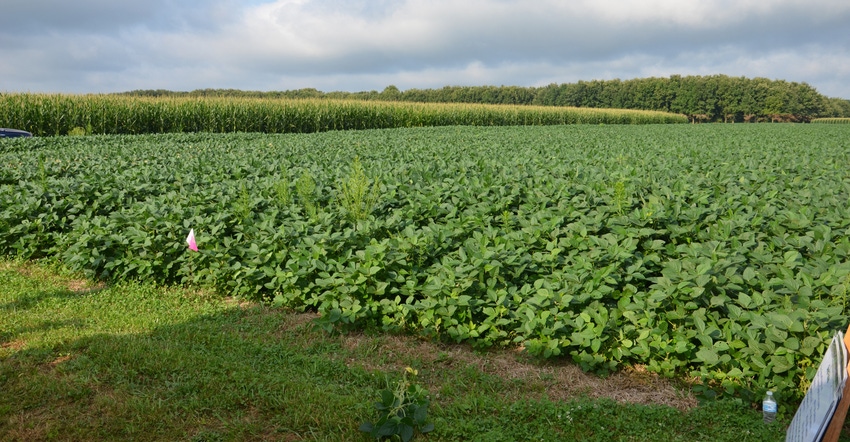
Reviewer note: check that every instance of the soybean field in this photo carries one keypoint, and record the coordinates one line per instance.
(717, 252)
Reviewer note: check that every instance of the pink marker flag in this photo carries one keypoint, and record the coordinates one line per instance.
(191, 240)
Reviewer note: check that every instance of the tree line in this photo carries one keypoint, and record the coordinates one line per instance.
(712, 98)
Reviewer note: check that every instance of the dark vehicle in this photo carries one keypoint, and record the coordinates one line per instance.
(12, 133)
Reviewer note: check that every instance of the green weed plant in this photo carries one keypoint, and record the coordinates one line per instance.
(305, 188)
(402, 410)
(356, 196)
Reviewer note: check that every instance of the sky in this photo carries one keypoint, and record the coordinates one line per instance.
(101, 46)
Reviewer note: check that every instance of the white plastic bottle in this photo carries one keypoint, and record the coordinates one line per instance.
(768, 406)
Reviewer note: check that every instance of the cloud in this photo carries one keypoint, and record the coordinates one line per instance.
(97, 45)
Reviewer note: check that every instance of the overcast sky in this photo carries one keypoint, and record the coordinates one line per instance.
(359, 45)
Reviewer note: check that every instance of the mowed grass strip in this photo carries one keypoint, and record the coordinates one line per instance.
(82, 361)
(831, 120)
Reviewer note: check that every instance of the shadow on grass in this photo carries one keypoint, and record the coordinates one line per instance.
(239, 374)
(28, 301)
(9, 336)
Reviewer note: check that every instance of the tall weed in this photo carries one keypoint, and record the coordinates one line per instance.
(356, 197)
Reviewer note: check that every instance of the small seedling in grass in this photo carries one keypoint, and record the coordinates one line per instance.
(401, 410)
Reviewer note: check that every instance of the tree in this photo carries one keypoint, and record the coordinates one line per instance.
(390, 93)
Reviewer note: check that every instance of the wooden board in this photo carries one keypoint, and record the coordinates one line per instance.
(837, 422)
(815, 413)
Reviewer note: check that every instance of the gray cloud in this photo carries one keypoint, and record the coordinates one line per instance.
(100, 46)
(78, 17)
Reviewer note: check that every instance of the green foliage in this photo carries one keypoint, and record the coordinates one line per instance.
(717, 252)
(305, 188)
(402, 410)
(282, 191)
(48, 114)
(704, 97)
(77, 132)
(243, 206)
(620, 198)
(42, 173)
(355, 196)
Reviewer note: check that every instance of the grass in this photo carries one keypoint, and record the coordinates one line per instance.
(82, 361)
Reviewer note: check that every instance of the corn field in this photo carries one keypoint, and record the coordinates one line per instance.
(59, 114)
